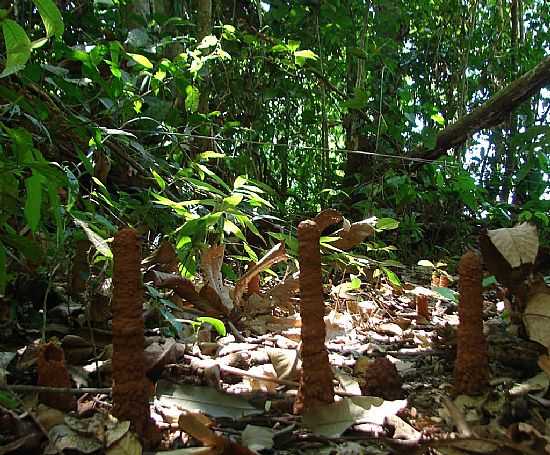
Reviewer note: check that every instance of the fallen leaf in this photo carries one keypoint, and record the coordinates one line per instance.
(518, 245)
(537, 319)
(257, 438)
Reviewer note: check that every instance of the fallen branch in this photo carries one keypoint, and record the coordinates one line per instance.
(492, 112)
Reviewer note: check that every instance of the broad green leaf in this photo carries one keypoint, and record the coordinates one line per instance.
(213, 175)
(234, 200)
(306, 54)
(392, 277)
(33, 202)
(385, 224)
(210, 219)
(218, 325)
(51, 16)
(3, 269)
(192, 98)
(30, 248)
(239, 182)
(142, 60)
(18, 47)
(184, 240)
(447, 293)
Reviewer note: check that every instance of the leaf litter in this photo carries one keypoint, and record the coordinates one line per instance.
(235, 393)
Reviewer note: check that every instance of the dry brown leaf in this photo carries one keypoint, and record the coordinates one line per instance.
(211, 263)
(353, 236)
(197, 426)
(273, 256)
(537, 319)
(281, 293)
(164, 258)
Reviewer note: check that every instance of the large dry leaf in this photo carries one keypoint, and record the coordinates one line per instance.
(211, 262)
(163, 259)
(273, 256)
(353, 235)
(333, 419)
(281, 293)
(518, 245)
(537, 319)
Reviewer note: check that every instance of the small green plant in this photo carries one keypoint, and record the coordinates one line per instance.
(219, 212)
(166, 309)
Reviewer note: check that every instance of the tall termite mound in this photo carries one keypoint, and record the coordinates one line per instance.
(472, 365)
(130, 385)
(316, 381)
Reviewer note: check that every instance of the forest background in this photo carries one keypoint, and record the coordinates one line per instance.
(220, 121)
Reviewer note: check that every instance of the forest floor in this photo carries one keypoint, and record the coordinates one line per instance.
(392, 352)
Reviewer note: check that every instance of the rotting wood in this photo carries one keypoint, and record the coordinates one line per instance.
(316, 381)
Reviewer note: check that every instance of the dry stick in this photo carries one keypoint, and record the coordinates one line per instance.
(39, 388)
(458, 418)
(243, 373)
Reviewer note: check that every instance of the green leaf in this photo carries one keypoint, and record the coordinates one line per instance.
(167, 314)
(392, 277)
(204, 186)
(160, 181)
(142, 60)
(192, 98)
(8, 401)
(36, 44)
(239, 181)
(234, 200)
(218, 325)
(447, 294)
(209, 154)
(489, 281)
(438, 118)
(51, 16)
(18, 47)
(251, 254)
(33, 202)
(232, 228)
(97, 241)
(3, 269)
(306, 54)
(184, 240)
(385, 224)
